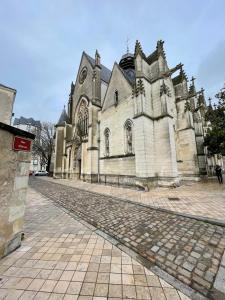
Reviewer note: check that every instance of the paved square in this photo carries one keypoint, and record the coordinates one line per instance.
(62, 259)
(188, 249)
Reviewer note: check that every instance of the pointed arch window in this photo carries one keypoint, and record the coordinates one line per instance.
(83, 118)
(106, 135)
(128, 128)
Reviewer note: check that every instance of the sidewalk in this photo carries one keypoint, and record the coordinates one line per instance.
(63, 259)
(205, 199)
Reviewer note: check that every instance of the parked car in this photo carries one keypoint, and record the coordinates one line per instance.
(41, 173)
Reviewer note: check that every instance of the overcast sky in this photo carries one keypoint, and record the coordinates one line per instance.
(42, 42)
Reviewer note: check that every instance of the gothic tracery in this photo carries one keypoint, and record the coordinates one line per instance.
(83, 118)
(128, 136)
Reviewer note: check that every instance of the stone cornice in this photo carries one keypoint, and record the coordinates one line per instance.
(118, 156)
(190, 127)
(17, 131)
(153, 118)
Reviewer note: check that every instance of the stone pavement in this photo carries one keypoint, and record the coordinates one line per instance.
(205, 199)
(61, 258)
(188, 249)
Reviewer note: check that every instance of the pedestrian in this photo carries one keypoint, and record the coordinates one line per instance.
(219, 174)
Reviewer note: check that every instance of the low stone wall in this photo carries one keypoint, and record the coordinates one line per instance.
(14, 172)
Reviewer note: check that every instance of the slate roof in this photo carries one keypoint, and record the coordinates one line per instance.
(27, 121)
(129, 74)
(63, 118)
(105, 72)
(179, 78)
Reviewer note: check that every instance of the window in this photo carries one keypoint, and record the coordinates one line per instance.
(116, 98)
(83, 118)
(128, 136)
(106, 134)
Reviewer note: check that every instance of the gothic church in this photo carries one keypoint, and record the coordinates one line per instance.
(139, 124)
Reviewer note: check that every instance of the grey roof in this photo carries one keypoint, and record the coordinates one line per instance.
(105, 72)
(129, 74)
(26, 121)
(63, 118)
(127, 55)
(179, 78)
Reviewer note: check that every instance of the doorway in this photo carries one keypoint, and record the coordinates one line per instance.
(79, 168)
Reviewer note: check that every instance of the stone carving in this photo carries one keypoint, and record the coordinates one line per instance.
(83, 75)
(189, 106)
(164, 89)
(128, 136)
(106, 134)
(138, 88)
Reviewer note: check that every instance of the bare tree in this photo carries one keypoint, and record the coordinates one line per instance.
(44, 143)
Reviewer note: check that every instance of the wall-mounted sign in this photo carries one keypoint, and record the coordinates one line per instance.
(21, 144)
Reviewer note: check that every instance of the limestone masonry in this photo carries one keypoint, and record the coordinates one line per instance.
(14, 168)
(135, 125)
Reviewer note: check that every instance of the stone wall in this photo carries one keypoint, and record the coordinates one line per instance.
(117, 161)
(14, 170)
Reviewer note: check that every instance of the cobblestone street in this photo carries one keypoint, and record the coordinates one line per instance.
(188, 249)
(205, 199)
(61, 258)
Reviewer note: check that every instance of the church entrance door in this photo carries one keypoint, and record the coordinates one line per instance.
(79, 168)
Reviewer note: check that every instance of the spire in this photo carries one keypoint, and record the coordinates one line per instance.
(63, 118)
(160, 48)
(127, 41)
(210, 102)
(192, 90)
(72, 86)
(183, 74)
(97, 58)
(138, 49)
(193, 80)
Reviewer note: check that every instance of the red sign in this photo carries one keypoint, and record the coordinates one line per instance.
(21, 144)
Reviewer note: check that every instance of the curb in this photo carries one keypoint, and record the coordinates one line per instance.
(219, 283)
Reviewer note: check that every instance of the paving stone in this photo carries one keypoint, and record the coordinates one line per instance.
(115, 290)
(87, 289)
(188, 266)
(129, 292)
(74, 288)
(101, 290)
(143, 292)
(157, 293)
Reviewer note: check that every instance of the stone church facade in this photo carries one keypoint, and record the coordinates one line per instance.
(140, 124)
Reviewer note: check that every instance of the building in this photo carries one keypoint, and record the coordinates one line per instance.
(140, 124)
(32, 126)
(15, 145)
(7, 98)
